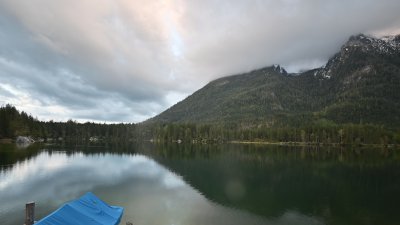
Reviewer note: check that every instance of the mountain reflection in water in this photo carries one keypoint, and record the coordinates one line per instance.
(150, 193)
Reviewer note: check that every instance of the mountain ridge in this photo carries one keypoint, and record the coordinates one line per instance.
(357, 85)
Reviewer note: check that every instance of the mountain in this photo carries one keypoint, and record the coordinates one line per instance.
(359, 84)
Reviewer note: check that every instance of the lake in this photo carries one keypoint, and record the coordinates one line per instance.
(180, 184)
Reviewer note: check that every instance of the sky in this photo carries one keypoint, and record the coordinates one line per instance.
(128, 60)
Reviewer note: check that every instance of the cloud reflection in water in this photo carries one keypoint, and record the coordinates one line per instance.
(150, 193)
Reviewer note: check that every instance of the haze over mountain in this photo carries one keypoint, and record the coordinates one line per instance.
(359, 84)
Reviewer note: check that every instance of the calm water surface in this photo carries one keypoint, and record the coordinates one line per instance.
(206, 184)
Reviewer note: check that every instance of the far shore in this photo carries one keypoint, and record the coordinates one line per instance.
(305, 144)
(6, 141)
(261, 142)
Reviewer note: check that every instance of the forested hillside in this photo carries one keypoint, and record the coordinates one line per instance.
(359, 85)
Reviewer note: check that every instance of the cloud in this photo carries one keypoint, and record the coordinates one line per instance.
(123, 60)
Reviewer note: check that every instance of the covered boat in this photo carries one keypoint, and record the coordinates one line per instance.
(87, 210)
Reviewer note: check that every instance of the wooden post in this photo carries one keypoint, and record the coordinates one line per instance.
(29, 213)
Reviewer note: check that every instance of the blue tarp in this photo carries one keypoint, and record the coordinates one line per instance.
(87, 210)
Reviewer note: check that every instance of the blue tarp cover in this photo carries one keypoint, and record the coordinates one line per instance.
(87, 210)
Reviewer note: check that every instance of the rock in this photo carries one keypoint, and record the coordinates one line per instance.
(24, 140)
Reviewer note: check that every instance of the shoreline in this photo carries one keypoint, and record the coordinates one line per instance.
(306, 144)
(6, 141)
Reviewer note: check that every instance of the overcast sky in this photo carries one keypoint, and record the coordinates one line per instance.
(128, 60)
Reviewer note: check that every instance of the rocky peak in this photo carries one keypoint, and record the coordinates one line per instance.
(388, 45)
(279, 69)
(384, 45)
(360, 39)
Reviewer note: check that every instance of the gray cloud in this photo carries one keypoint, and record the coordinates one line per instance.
(129, 60)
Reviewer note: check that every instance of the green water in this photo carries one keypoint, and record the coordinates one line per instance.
(206, 184)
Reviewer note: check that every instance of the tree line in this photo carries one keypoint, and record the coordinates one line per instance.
(340, 134)
(14, 123)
